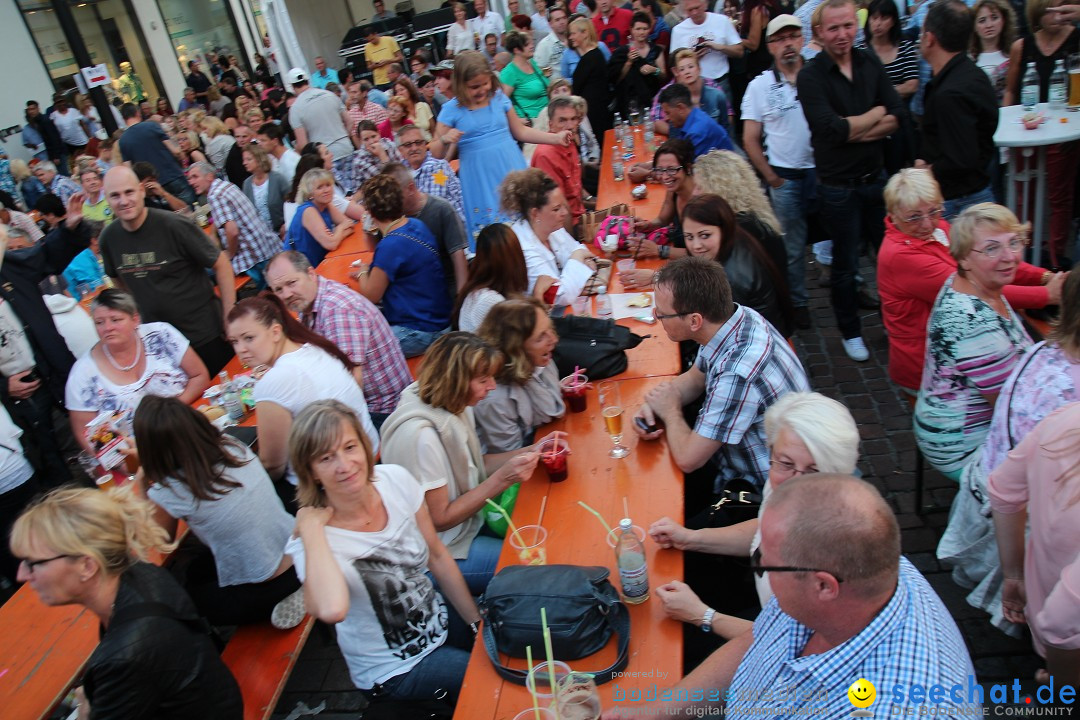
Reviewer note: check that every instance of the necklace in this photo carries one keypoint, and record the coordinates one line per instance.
(995, 302)
(118, 366)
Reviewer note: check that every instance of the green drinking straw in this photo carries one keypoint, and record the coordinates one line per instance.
(598, 517)
(551, 662)
(536, 701)
(513, 528)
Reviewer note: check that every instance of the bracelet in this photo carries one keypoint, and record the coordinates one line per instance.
(664, 251)
(475, 627)
(1046, 276)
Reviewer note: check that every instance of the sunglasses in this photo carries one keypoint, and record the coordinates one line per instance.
(760, 570)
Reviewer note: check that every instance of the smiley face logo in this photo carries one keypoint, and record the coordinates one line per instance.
(862, 694)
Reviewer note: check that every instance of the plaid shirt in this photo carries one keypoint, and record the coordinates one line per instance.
(747, 367)
(354, 324)
(372, 111)
(912, 641)
(365, 165)
(257, 242)
(436, 177)
(64, 187)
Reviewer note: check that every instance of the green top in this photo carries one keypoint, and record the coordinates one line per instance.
(529, 96)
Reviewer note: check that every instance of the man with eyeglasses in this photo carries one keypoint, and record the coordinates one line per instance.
(960, 114)
(851, 107)
(771, 107)
(744, 365)
(433, 176)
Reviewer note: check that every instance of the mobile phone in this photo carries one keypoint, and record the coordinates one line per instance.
(645, 426)
(32, 376)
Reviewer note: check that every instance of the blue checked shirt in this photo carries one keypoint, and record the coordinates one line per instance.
(747, 367)
(913, 640)
(257, 242)
(436, 177)
(64, 187)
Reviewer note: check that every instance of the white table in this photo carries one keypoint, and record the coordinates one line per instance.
(1011, 133)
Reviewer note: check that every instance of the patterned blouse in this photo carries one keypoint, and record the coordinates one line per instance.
(970, 351)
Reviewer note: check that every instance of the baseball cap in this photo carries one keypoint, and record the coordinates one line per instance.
(780, 22)
(296, 75)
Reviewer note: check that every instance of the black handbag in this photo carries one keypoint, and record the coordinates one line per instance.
(597, 345)
(583, 611)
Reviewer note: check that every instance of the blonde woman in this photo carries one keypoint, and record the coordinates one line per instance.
(591, 74)
(318, 226)
(218, 141)
(87, 547)
(189, 144)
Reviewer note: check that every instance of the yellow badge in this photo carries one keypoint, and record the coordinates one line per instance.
(440, 178)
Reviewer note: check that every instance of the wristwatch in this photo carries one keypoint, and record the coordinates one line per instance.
(706, 621)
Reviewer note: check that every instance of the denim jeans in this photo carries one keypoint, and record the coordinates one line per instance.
(257, 273)
(792, 202)
(181, 189)
(851, 214)
(415, 342)
(958, 204)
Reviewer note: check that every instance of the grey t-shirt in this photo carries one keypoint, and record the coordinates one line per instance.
(145, 141)
(445, 224)
(319, 113)
(246, 528)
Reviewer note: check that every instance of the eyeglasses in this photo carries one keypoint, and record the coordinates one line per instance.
(932, 215)
(414, 143)
(32, 565)
(658, 316)
(760, 570)
(789, 468)
(993, 251)
(790, 37)
(668, 170)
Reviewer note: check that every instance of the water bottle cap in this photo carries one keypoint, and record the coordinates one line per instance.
(601, 289)
(625, 524)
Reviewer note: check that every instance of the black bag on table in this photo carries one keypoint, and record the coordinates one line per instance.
(597, 345)
(583, 611)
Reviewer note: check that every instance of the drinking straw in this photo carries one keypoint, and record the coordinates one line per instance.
(598, 516)
(536, 701)
(543, 504)
(625, 507)
(513, 528)
(550, 660)
(577, 373)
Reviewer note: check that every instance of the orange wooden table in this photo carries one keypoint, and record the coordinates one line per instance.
(652, 485)
(338, 267)
(612, 191)
(355, 242)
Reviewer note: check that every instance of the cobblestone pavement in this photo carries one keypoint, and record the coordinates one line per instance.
(888, 461)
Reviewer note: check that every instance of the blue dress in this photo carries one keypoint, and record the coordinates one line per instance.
(301, 240)
(487, 152)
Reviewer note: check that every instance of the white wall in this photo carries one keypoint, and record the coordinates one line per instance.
(160, 47)
(320, 26)
(29, 82)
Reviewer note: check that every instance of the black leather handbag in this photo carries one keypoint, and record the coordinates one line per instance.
(597, 345)
(583, 612)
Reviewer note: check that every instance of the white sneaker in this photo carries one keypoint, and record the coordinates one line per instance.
(856, 349)
(289, 612)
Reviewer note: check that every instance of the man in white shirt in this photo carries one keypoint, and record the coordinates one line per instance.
(549, 51)
(72, 126)
(486, 21)
(320, 116)
(713, 37)
(284, 160)
(771, 109)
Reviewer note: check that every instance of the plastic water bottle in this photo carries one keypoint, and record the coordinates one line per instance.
(230, 398)
(628, 144)
(649, 133)
(603, 302)
(617, 163)
(619, 128)
(630, 557)
(1029, 89)
(1059, 87)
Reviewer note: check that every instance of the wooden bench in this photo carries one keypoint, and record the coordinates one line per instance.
(261, 659)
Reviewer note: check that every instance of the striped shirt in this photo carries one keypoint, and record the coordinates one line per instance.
(350, 321)
(748, 366)
(256, 242)
(904, 67)
(912, 641)
(371, 111)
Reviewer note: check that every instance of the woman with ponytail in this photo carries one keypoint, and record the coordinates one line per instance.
(301, 367)
(86, 547)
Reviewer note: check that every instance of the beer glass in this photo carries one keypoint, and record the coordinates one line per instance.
(612, 409)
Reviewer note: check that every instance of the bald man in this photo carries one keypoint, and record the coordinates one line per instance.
(161, 258)
(846, 607)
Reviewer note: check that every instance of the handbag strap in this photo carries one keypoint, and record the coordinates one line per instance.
(618, 619)
(1013, 442)
(416, 240)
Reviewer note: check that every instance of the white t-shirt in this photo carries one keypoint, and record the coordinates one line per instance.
(571, 274)
(245, 528)
(395, 615)
(490, 24)
(285, 166)
(70, 126)
(14, 469)
(308, 374)
(775, 105)
(319, 113)
(16, 355)
(460, 38)
(261, 193)
(991, 61)
(475, 307)
(164, 346)
(716, 28)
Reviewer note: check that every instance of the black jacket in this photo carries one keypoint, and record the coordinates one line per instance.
(20, 274)
(156, 668)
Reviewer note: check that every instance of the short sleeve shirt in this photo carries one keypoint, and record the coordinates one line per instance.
(716, 28)
(319, 113)
(144, 142)
(387, 49)
(416, 295)
(257, 242)
(775, 104)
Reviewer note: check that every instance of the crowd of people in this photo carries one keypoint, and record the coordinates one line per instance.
(854, 130)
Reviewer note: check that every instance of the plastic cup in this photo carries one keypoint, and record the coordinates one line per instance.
(577, 697)
(95, 470)
(573, 390)
(626, 265)
(539, 681)
(554, 455)
(528, 543)
(613, 536)
(531, 714)
(581, 306)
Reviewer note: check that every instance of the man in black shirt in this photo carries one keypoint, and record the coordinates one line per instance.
(197, 81)
(850, 106)
(960, 112)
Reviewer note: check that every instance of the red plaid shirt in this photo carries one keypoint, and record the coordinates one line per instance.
(355, 325)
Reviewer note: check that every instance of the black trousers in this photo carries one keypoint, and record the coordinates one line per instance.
(215, 354)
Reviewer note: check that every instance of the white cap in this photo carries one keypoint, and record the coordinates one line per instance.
(780, 22)
(295, 76)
